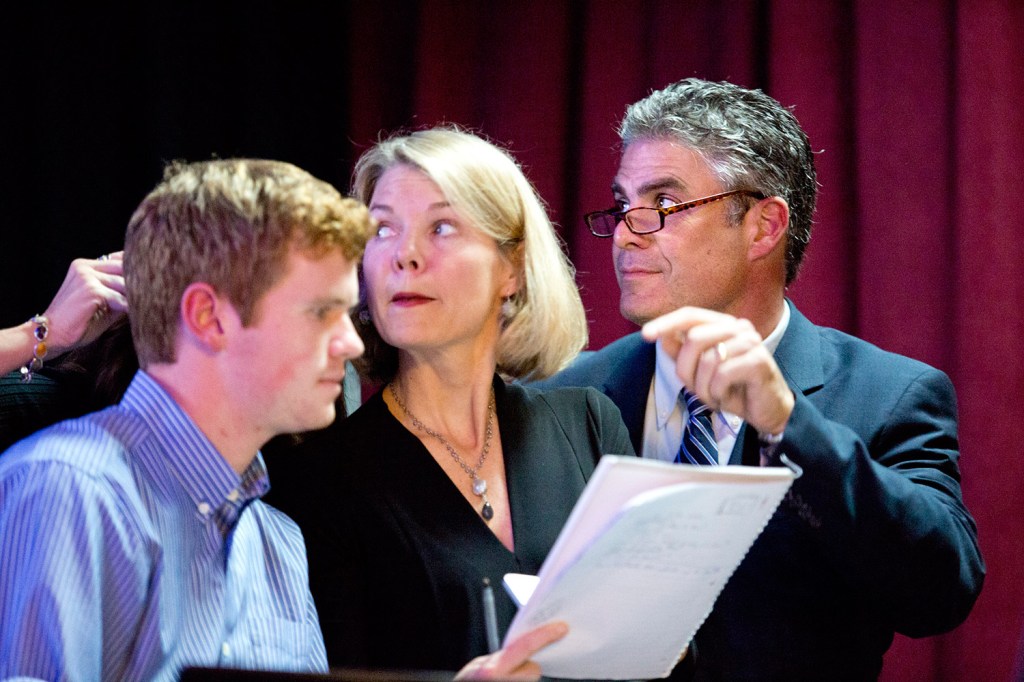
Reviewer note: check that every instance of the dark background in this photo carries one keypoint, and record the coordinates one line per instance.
(915, 106)
(95, 102)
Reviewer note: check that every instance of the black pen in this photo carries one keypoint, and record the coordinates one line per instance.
(490, 617)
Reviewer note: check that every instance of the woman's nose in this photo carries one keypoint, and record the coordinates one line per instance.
(407, 254)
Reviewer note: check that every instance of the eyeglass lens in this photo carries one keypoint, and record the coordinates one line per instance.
(640, 219)
(643, 220)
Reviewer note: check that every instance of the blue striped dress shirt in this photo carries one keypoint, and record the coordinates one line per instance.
(129, 549)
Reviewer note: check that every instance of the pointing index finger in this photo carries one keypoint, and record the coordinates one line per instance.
(677, 323)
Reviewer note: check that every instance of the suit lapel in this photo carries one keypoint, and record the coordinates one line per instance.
(799, 354)
(628, 384)
(747, 450)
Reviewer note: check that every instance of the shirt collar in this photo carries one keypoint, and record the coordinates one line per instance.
(186, 454)
(771, 342)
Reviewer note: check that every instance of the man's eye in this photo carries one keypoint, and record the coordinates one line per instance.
(327, 312)
(665, 202)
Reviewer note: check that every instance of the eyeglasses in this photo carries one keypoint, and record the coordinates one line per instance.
(645, 220)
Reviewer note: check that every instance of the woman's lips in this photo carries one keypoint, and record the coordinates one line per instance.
(404, 299)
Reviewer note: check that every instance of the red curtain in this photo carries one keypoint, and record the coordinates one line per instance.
(916, 109)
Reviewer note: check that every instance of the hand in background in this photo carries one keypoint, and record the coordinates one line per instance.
(89, 301)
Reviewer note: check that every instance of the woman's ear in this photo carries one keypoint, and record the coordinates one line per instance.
(515, 257)
(201, 311)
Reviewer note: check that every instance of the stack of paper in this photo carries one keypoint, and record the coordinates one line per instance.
(640, 562)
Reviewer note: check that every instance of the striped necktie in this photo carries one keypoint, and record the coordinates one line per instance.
(698, 445)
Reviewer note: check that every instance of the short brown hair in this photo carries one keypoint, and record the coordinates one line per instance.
(229, 223)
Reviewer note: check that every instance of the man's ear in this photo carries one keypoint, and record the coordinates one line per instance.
(771, 218)
(201, 311)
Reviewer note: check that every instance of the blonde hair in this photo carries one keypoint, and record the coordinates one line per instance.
(229, 223)
(545, 326)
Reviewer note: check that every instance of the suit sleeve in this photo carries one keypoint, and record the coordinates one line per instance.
(886, 505)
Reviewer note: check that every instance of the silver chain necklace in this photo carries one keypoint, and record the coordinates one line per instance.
(479, 484)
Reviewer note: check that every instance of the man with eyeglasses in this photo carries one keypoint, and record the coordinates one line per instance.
(714, 198)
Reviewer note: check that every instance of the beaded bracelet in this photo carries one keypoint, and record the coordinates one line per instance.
(39, 350)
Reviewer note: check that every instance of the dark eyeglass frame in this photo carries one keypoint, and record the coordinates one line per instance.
(590, 218)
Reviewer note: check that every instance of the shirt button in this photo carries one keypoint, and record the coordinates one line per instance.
(225, 650)
(234, 495)
(204, 508)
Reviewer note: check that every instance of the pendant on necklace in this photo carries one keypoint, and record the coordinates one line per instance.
(480, 489)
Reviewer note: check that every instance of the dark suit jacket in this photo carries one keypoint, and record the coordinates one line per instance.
(872, 539)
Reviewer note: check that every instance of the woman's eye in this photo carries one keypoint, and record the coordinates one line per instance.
(385, 231)
(444, 228)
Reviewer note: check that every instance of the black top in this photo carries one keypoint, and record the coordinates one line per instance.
(48, 398)
(86, 379)
(397, 555)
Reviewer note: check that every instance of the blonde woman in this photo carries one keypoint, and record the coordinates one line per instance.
(450, 475)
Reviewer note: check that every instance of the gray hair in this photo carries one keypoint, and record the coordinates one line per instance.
(748, 140)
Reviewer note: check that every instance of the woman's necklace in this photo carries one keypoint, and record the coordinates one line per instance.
(479, 484)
